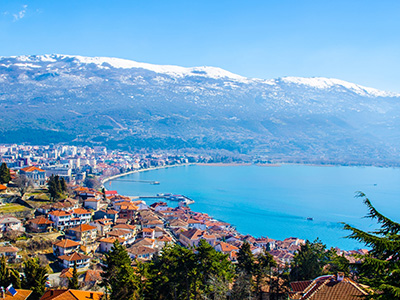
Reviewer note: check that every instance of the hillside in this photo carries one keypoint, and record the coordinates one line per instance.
(125, 104)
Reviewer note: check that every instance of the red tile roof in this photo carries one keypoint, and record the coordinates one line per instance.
(59, 213)
(41, 221)
(66, 243)
(71, 295)
(83, 228)
(32, 169)
(73, 257)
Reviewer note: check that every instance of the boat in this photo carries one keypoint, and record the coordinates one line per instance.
(310, 219)
(155, 182)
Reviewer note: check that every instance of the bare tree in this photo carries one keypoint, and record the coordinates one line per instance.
(23, 184)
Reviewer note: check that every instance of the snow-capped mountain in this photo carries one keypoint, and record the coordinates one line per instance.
(125, 103)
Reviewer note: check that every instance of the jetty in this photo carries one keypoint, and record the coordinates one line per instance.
(180, 198)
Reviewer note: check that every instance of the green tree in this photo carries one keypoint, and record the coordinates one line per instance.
(380, 268)
(73, 283)
(63, 185)
(8, 275)
(54, 187)
(309, 261)
(263, 271)
(212, 267)
(5, 176)
(173, 273)
(245, 259)
(35, 277)
(119, 276)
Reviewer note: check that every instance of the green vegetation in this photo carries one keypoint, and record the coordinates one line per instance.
(119, 277)
(11, 208)
(8, 275)
(73, 282)
(380, 269)
(57, 187)
(5, 176)
(35, 278)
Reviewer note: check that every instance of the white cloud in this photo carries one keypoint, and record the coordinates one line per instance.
(18, 16)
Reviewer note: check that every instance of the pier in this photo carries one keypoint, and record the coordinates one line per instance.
(186, 200)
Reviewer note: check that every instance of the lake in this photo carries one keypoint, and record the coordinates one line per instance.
(276, 201)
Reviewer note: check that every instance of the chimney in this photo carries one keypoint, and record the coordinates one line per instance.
(340, 276)
(91, 296)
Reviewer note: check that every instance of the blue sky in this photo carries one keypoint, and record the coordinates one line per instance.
(357, 41)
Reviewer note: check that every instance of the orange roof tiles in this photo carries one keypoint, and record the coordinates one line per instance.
(66, 243)
(41, 221)
(81, 211)
(59, 213)
(93, 275)
(71, 295)
(73, 257)
(83, 227)
(332, 289)
(111, 240)
(20, 295)
(225, 247)
(32, 169)
(67, 273)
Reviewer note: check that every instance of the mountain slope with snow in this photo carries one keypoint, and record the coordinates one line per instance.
(122, 103)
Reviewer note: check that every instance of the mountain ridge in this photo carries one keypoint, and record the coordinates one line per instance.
(88, 100)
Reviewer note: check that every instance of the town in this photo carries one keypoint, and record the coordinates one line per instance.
(55, 208)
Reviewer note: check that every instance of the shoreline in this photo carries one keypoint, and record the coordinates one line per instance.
(107, 179)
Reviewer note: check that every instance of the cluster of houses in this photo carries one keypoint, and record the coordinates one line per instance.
(90, 222)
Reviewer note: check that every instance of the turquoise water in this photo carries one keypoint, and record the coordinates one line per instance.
(276, 201)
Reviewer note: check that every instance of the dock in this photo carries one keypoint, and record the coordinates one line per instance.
(186, 200)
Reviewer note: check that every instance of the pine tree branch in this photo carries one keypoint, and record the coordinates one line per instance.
(388, 226)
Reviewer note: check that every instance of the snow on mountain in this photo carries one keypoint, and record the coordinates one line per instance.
(327, 83)
(320, 83)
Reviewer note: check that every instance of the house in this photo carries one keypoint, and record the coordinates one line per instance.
(126, 227)
(148, 233)
(81, 260)
(162, 241)
(71, 295)
(192, 237)
(127, 235)
(61, 219)
(82, 216)
(85, 233)
(92, 203)
(178, 223)
(103, 226)
(65, 275)
(227, 249)
(92, 277)
(193, 223)
(159, 206)
(152, 223)
(107, 243)
(9, 252)
(65, 246)
(20, 295)
(38, 176)
(9, 223)
(40, 224)
(106, 214)
(329, 287)
(141, 252)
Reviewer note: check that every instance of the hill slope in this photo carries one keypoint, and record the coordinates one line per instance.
(121, 103)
